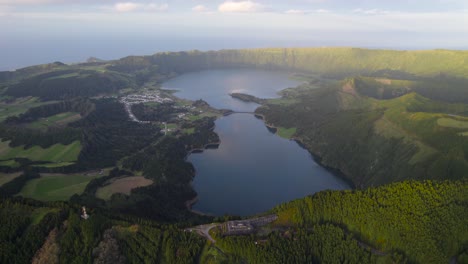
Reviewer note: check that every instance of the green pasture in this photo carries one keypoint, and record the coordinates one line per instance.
(19, 106)
(58, 187)
(452, 123)
(55, 120)
(189, 131)
(56, 153)
(67, 75)
(286, 132)
(38, 214)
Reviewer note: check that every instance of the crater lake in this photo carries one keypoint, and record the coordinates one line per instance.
(253, 169)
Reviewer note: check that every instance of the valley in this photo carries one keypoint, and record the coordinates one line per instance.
(134, 139)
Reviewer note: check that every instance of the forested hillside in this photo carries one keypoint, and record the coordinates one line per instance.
(376, 133)
(409, 222)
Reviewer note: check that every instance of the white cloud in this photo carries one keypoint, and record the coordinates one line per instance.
(27, 2)
(322, 11)
(243, 6)
(132, 7)
(371, 11)
(4, 10)
(156, 7)
(200, 9)
(296, 12)
(304, 12)
(126, 7)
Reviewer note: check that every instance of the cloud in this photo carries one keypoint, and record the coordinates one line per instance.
(156, 7)
(200, 9)
(296, 12)
(370, 11)
(243, 7)
(27, 2)
(132, 7)
(4, 10)
(126, 7)
(304, 12)
(322, 11)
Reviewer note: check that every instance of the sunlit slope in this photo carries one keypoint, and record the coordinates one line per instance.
(423, 221)
(375, 141)
(334, 61)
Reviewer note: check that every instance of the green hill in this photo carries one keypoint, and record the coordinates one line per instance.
(376, 141)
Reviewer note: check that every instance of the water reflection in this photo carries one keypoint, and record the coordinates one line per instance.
(253, 169)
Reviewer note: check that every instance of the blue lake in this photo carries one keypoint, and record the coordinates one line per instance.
(253, 169)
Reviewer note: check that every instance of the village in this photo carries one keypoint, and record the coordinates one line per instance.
(151, 97)
(184, 111)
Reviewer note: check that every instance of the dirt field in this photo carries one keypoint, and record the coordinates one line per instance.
(122, 185)
(5, 177)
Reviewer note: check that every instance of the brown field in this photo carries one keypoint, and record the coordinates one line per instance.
(122, 185)
(4, 177)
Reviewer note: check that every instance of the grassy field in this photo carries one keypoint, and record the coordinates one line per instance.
(10, 163)
(6, 177)
(19, 106)
(212, 255)
(67, 75)
(56, 153)
(282, 101)
(194, 117)
(449, 122)
(57, 120)
(40, 212)
(389, 129)
(189, 131)
(54, 165)
(56, 187)
(122, 185)
(286, 132)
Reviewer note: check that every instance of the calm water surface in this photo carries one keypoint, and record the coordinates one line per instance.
(252, 170)
(215, 86)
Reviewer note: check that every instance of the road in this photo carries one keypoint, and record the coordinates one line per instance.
(203, 230)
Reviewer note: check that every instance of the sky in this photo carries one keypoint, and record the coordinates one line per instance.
(41, 31)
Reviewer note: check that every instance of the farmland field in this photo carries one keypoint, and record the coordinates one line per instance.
(55, 153)
(55, 120)
(6, 177)
(56, 187)
(18, 106)
(122, 185)
(448, 122)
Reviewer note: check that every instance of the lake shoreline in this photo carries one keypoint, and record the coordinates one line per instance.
(317, 159)
(311, 177)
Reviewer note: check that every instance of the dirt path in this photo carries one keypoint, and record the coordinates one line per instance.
(371, 249)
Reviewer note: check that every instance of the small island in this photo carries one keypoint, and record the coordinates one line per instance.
(248, 98)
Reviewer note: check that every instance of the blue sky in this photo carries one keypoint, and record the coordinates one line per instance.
(39, 31)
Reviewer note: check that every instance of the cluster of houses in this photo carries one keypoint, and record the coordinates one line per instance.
(154, 96)
(147, 97)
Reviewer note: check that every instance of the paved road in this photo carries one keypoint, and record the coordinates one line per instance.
(203, 230)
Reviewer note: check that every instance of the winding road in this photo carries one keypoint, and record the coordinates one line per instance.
(203, 230)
